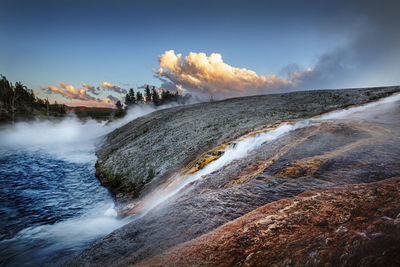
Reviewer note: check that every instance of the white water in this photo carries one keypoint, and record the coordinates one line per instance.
(75, 231)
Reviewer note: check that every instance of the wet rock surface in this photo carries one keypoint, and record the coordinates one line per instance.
(363, 147)
(353, 225)
(139, 155)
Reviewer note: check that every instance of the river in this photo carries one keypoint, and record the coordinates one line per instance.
(51, 203)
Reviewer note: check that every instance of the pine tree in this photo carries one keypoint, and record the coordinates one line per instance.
(55, 108)
(120, 111)
(127, 100)
(62, 110)
(156, 97)
(47, 107)
(132, 96)
(148, 94)
(139, 97)
(19, 101)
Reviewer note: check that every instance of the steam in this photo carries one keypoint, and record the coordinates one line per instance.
(69, 235)
(69, 139)
(365, 54)
(353, 112)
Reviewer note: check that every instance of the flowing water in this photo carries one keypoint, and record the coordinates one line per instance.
(239, 149)
(50, 207)
(51, 203)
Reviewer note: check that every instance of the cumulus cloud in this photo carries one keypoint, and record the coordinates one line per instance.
(211, 75)
(367, 55)
(111, 87)
(69, 91)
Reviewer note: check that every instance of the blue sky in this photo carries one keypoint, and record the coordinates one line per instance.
(119, 42)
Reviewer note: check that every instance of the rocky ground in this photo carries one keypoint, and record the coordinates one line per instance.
(361, 147)
(353, 225)
(138, 155)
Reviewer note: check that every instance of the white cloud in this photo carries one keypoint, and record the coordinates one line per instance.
(211, 75)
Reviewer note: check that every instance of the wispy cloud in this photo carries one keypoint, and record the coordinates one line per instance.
(108, 86)
(91, 88)
(69, 91)
(84, 96)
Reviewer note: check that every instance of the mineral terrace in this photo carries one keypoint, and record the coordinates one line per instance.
(325, 193)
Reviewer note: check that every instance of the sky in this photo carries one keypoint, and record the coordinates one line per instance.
(91, 52)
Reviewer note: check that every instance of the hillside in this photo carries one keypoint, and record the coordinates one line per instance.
(205, 211)
(139, 154)
(344, 226)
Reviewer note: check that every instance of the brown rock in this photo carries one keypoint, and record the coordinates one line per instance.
(343, 226)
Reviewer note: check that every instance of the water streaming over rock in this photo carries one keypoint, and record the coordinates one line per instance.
(240, 148)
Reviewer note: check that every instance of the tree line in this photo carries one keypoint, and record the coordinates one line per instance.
(152, 97)
(17, 102)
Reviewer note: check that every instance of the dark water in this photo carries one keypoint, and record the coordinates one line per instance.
(48, 207)
(51, 204)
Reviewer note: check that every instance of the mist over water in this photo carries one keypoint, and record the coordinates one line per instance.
(69, 139)
(51, 203)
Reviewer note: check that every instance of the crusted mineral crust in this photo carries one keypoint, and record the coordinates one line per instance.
(135, 157)
(361, 148)
(343, 226)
